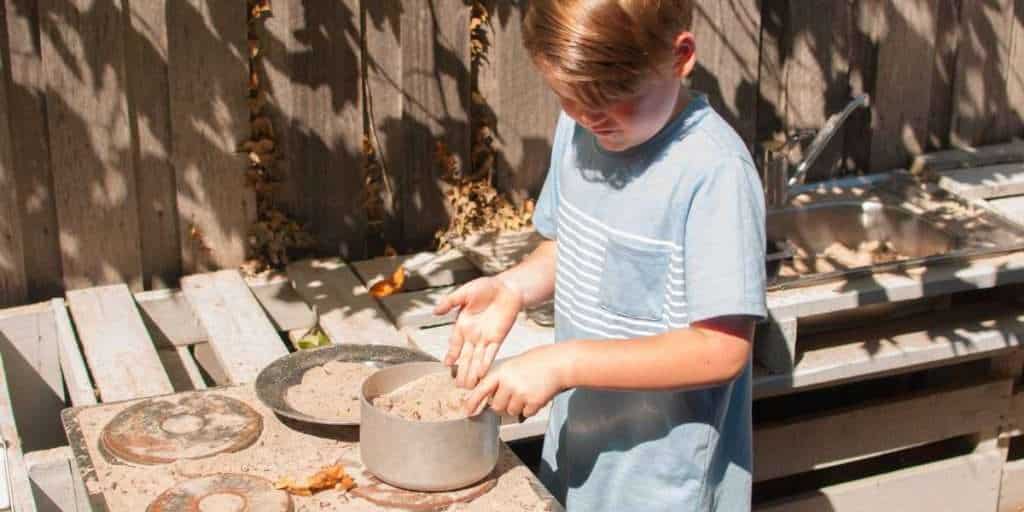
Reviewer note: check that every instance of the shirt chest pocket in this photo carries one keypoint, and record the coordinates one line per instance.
(633, 281)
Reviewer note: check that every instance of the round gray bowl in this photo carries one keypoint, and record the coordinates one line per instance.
(424, 455)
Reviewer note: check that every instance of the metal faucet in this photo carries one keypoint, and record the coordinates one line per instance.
(778, 184)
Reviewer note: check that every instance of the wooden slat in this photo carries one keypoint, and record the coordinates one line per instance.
(962, 484)
(385, 100)
(905, 34)
(979, 92)
(20, 492)
(13, 283)
(30, 349)
(241, 335)
(495, 252)
(524, 336)
(423, 270)
(962, 158)
(283, 305)
(435, 78)
(1011, 114)
(148, 92)
(323, 102)
(729, 35)
(120, 352)
(31, 151)
(895, 347)
(54, 483)
(72, 365)
(416, 309)
(867, 430)
(1011, 492)
(1017, 411)
(947, 38)
(1011, 207)
(90, 143)
(182, 369)
(525, 108)
(207, 360)
(169, 318)
(985, 182)
(348, 314)
(207, 68)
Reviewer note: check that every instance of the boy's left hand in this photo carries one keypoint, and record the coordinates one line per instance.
(521, 385)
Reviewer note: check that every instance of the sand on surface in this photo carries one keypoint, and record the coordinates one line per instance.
(433, 397)
(331, 391)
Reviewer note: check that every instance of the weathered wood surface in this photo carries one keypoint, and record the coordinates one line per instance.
(962, 158)
(808, 443)
(1011, 492)
(967, 483)
(435, 79)
(416, 309)
(985, 182)
(241, 335)
(55, 485)
(117, 345)
(169, 318)
(182, 369)
(422, 270)
(30, 145)
(21, 491)
(13, 281)
(94, 178)
(1010, 207)
(72, 364)
(348, 314)
(148, 90)
(31, 353)
(979, 91)
(207, 63)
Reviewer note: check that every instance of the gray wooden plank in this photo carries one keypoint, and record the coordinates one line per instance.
(906, 38)
(348, 314)
(117, 346)
(1011, 114)
(385, 100)
(72, 365)
(524, 336)
(169, 318)
(31, 151)
(985, 182)
(1010, 207)
(435, 79)
(526, 110)
(966, 157)
(284, 306)
(961, 484)
(416, 309)
(241, 335)
(809, 443)
(90, 143)
(182, 369)
(947, 38)
(1011, 492)
(207, 61)
(423, 270)
(29, 345)
(54, 485)
(20, 493)
(150, 122)
(13, 282)
(729, 36)
(207, 361)
(979, 92)
(495, 252)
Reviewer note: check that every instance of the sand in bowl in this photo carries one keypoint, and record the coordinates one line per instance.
(433, 397)
(331, 391)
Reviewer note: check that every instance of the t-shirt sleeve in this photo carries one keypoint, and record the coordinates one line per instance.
(545, 214)
(724, 245)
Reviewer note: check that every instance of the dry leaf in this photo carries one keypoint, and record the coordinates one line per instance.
(391, 285)
(330, 477)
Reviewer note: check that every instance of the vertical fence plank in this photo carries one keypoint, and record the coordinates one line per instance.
(527, 110)
(947, 41)
(149, 105)
(31, 150)
(83, 59)
(13, 288)
(435, 78)
(382, 63)
(771, 83)
(324, 176)
(728, 39)
(980, 87)
(905, 32)
(1012, 115)
(208, 66)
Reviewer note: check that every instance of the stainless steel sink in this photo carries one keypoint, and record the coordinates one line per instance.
(842, 238)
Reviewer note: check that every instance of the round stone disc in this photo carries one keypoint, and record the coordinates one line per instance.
(226, 492)
(385, 495)
(190, 426)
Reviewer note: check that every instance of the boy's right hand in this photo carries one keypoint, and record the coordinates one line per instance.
(488, 308)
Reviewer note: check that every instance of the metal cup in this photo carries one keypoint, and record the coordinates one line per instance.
(423, 455)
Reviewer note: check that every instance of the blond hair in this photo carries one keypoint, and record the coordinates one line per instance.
(601, 50)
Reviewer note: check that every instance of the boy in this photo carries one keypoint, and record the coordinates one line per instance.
(654, 219)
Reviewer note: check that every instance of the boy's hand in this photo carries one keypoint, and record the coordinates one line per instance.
(489, 307)
(521, 385)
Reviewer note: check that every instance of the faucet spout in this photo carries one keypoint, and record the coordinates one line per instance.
(830, 128)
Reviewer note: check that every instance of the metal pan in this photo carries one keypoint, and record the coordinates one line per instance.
(273, 382)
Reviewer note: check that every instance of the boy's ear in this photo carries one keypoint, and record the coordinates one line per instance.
(685, 53)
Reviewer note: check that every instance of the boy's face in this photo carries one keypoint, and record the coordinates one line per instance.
(629, 122)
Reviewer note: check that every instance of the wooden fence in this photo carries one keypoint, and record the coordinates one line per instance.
(122, 118)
